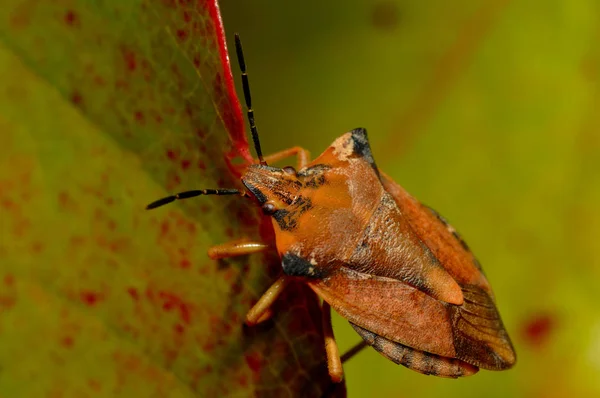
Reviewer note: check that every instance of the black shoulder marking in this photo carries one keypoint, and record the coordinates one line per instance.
(294, 265)
(255, 191)
(362, 147)
(314, 176)
(314, 169)
(287, 221)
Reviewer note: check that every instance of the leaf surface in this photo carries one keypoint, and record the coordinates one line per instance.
(104, 107)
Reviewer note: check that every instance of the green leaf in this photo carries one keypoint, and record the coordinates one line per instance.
(104, 107)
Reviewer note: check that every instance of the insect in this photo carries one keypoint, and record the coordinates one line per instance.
(394, 268)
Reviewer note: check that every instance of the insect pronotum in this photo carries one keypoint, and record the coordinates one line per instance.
(394, 268)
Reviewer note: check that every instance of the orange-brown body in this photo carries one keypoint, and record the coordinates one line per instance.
(394, 268)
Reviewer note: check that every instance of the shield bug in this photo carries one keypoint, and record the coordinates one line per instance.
(394, 268)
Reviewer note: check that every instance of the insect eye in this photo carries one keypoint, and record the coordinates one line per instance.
(269, 208)
(289, 170)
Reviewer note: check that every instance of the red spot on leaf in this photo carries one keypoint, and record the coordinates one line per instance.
(185, 164)
(200, 132)
(185, 263)
(99, 80)
(254, 361)
(71, 18)
(90, 298)
(182, 34)
(133, 293)
(76, 98)
(172, 301)
(67, 342)
(9, 204)
(37, 247)
(171, 154)
(164, 228)
(139, 117)
(537, 329)
(94, 385)
(179, 329)
(111, 224)
(9, 280)
(130, 60)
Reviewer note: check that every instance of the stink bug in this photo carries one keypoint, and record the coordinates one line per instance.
(394, 268)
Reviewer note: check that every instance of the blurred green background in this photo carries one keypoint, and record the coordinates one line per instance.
(488, 111)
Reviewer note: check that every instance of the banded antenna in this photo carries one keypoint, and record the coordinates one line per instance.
(192, 194)
(248, 98)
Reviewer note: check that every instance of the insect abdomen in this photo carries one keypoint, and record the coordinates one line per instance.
(420, 361)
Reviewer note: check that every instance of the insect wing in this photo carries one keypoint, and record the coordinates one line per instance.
(471, 332)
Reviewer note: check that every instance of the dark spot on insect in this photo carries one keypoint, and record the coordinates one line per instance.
(407, 358)
(362, 147)
(303, 204)
(315, 169)
(477, 264)
(428, 363)
(286, 220)
(313, 177)
(460, 240)
(385, 15)
(315, 181)
(364, 242)
(255, 191)
(294, 265)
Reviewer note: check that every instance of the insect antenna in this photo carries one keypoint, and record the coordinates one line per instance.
(248, 98)
(192, 194)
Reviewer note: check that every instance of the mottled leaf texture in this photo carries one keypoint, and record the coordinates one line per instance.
(104, 107)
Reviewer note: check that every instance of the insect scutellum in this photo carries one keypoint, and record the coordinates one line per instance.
(254, 132)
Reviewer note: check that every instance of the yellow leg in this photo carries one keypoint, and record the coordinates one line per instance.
(235, 248)
(334, 363)
(302, 154)
(262, 309)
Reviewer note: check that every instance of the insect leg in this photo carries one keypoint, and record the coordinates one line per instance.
(302, 155)
(235, 248)
(262, 309)
(354, 350)
(334, 363)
